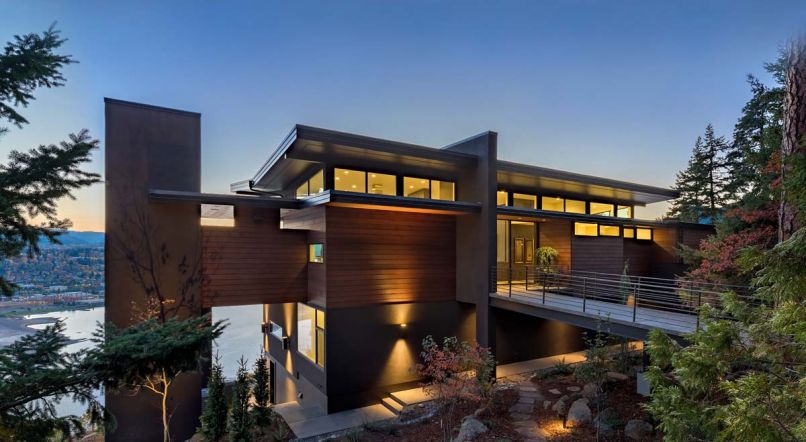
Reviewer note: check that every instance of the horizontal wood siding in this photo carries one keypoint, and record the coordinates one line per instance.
(313, 221)
(597, 254)
(557, 234)
(639, 256)
(376, 257)
(254, 262)
(692, 236)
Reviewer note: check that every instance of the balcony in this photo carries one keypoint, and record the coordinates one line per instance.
(626, 305)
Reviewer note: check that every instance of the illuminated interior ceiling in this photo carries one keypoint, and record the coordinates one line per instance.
(574, 185)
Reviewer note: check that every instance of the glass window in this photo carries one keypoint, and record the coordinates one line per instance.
(645, 234)
(306, 331)
(524, 200)
(350, 180)
(381, 184)
(442, 190)
(608, 230)
(552, 203)
(502, 240)
(624, 211)
(575, 206)
(602, 209)
(416, 187)
(302, 190)
(316, 253)
(629, 232)
(502, 198)
(586, 229)
(317, 183)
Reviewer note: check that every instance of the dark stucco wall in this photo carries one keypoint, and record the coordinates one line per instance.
(150, 147)
(370, 354)
(521, 337)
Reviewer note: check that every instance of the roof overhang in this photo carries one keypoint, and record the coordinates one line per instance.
(176, 196)
(392, 203)
(514, 176)
(306, 149)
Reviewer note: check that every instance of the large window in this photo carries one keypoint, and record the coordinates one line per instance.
(426, 188)
(624, 211)
(502, 240)
(443, 190)
(586, 229)
(311, 333)
(608, 230)
(502, 198)
(316, 253)
(524, 200)
(602, 209)
(314, 185)
(643, 234)
(381, 184)
(552, 203)
(575, 206)
(629, 232)
(350, 180)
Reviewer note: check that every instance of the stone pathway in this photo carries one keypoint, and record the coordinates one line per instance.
(522, 413)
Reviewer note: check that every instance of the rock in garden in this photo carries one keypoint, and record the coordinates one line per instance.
(637, 429)
(481, 412)
(573, 389)
(561, 406)
(590, 390)
(546, 405)
(554, 391)
(579, 414)
(613, 376)
(470, 429)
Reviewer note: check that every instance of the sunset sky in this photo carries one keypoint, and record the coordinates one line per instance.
(616, 89)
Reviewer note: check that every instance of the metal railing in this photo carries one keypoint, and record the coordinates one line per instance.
(671, 304)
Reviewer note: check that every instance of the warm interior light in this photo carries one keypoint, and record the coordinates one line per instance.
(411, 187)
(337, 178)
(372, 175)
(346, 172)
(422, 181)
(353, 186)
(403, 325)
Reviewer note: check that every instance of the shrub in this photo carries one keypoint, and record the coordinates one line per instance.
(214, 417)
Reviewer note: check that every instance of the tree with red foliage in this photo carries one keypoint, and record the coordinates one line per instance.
(455, 371)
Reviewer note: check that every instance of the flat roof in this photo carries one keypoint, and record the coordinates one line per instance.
(303, 151)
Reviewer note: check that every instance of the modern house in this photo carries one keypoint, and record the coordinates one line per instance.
(356, 248)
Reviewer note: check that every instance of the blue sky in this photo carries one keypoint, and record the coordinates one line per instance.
(617, 89)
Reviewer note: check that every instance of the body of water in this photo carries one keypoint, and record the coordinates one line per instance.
(242, 337)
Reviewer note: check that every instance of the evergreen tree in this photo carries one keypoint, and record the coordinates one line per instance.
(240, 421)
(214, 417)
(702, 183)
(151, 354)
(260, 390)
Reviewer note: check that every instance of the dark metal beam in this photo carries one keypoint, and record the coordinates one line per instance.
(212, 198)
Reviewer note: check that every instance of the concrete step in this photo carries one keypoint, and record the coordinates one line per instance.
(393, 405)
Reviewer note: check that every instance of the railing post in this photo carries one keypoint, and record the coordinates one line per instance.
(526, 275)
(635, 298)
(584, 289)
(545, 281)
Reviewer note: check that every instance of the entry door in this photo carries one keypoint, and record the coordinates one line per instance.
(272, 382)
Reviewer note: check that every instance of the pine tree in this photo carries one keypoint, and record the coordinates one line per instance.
(214, 418)
(240, 421)
(260, 390)
(702, 183)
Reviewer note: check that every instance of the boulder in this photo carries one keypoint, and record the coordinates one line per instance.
(637, 429)
(579, 414)
(614, 376)
(561, 406)
(470, 429)
(573, 389)
(590, 390)
(605, 421)
(554, 391)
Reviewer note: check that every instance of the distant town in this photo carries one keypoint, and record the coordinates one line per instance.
(70, 274)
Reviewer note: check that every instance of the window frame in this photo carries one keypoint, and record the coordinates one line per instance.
(534, 200)
(595, 235)
(651, 233)
(542, 207)
(617, 234)
(612, 208)
(311, 255)
(318, 345)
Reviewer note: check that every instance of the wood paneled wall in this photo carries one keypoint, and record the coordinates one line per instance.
(375, 256)
(557, 234)
(597, 254)
(254, 262)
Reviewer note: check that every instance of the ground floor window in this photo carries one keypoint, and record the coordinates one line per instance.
(311, 333)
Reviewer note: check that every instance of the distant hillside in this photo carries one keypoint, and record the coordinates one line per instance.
(78, 239)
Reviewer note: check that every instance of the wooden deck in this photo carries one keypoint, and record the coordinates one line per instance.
(644, 317)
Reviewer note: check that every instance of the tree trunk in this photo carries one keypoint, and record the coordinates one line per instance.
(794, 130)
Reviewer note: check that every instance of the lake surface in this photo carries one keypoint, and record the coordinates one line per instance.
(241, 337)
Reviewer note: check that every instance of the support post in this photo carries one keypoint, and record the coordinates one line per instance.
(584, 289)
(510, 280)
(635, 299)
(699, 303)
